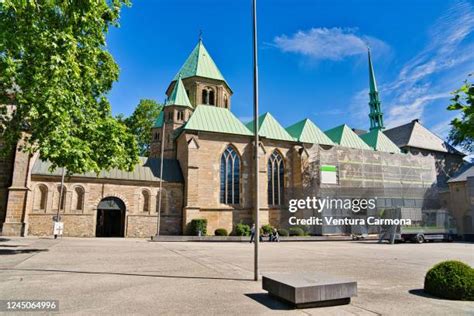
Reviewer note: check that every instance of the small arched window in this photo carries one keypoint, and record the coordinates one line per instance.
(41, 197)
(212, 100)
(164, 202)
(145, 201)
(205, 97)
(78, 198)
(275, 178)
(230, 177)
(61, 201)
(226, 101)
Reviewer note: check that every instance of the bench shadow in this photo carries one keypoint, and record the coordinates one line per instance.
(134, 274)
(19, 251)
(269, 301)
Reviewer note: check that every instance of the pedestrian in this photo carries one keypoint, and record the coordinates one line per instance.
(274, 235)
(252, 233)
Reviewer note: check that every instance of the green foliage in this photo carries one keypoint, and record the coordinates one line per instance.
(141, 122)
(296, 231)
(55, 74)
(242, 230)
(221, 232)
(283, 232)
(452, 280)
(267, 229)
(462, 130)
(198, 225)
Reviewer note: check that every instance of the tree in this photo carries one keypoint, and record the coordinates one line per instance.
(55, 73)
(462, 130)
(140, 123)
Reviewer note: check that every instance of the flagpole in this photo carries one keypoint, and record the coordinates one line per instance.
(255, 129)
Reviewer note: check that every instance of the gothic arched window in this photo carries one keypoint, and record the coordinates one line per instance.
(60, 201)
(230, 177)
(275, 179)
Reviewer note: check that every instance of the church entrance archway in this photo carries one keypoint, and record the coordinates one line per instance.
(110, 218)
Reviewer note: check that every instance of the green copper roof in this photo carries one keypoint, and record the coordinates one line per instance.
(344, 136)
(199, 63)
(159, 120)
(178, 96)
(213, 119)
(378, 141)
(307, 132)
(269, 127)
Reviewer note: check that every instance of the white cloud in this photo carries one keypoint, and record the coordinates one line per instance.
(425, 81)
(327, 43)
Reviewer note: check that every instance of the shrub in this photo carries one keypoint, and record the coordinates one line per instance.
(197, 225)
(452, 280)
(221, 232)
(267, 229)
(296, 231)
(242, 230)
(283, 232)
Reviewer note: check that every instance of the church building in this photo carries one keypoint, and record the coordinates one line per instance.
(208, 168)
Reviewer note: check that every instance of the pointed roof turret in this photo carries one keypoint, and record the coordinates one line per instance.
(178, 96)
(269, 127)
(372, 82)
(200, 64)
(344, 136)
(375, 115)
(378, 141)
(306, 131)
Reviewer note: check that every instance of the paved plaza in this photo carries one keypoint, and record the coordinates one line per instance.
(132, 276)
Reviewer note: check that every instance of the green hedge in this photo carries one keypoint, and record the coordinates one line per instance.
(452, 280)
(267, 229)
(296, 231)
(283, 232)
(197, 225)
(242, 230)
(221, 232)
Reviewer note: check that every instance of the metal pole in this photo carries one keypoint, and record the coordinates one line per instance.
(255, 129)
(60, 198)
(158, 220)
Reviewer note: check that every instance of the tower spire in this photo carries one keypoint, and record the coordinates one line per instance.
(375, 115)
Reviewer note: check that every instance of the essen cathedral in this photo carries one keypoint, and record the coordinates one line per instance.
(207, 155)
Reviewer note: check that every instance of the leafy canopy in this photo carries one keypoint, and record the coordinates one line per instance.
(141, 122)
(462, 130)
(55, 73)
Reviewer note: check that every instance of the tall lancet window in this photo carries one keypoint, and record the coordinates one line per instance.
(275, 179)
(230, 177)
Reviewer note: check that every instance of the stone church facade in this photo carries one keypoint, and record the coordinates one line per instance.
(208, 169)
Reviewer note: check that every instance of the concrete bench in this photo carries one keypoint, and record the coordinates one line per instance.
(304, 290)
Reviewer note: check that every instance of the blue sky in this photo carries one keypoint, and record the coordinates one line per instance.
(312, 56)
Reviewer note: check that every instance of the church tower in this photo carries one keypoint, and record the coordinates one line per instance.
(375, 115)
(198, 82)
(202, 80)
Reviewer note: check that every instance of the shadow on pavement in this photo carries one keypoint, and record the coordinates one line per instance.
(134, 274)
(422, 293)
(19, 251)
(2, 239)
(269, 301)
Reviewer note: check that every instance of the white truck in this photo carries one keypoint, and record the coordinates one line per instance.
(426, 225)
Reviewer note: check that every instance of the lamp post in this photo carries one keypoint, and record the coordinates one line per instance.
(158, 219)
(255, 129)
